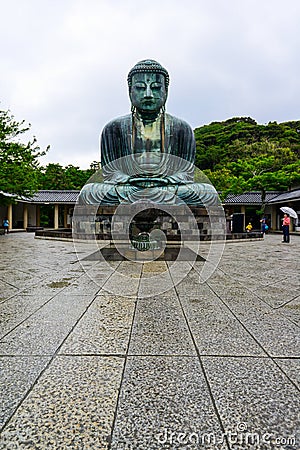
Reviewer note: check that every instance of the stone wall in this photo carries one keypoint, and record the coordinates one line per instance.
(173, 221)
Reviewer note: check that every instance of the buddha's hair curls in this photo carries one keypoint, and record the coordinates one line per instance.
(148, 65)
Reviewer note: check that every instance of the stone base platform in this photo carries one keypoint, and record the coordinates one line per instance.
(176, 222)
(63, 234)
(124, 253)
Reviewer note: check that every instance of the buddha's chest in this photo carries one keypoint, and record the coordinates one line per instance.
(147, 145)
(147, 137)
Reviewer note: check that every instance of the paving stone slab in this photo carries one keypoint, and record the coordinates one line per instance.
(292, 311)
(130, 269)
(274, 332)
(153, 287)
(279, 293)
(277, 335)
(104, 329)
(155, 279)
(160, 328)
(190, 282)
(17, 278)
(85, 285)
(71, 407)
(18, 375)
(7, 291)
(154, 268)
(124, 282)
(18, 308)
(180, 270)
(215, 329)
(125, 275)
(164, 404)
(99, 273)
(292, 368)
(259, 280)
(254, 396)
(44, 331)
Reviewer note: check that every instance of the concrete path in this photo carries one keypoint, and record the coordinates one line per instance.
(90, 359)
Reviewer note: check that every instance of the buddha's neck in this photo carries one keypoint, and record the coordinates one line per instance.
(147, 117)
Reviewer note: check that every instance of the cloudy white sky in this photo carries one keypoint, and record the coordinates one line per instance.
(64, 63)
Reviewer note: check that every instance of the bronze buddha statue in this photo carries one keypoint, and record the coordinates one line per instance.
(148, 154)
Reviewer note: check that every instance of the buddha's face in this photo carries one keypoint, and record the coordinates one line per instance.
(148, 91)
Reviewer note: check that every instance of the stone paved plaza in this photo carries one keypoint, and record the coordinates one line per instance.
(90, 359)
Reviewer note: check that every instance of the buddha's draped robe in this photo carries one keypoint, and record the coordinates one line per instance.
(152, 170)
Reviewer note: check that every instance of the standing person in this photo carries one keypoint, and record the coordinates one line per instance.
(286, 228)
(264, 226)
(6, 226)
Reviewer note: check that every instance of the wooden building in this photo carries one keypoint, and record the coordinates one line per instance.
(54, 209)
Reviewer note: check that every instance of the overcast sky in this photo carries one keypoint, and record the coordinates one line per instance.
(64, 63)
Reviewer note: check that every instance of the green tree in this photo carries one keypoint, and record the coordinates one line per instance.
(76, 177)
(18, 161)
(56, 177)
(52, 177)
(265, 172)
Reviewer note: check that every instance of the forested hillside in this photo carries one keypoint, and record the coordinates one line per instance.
(239, 155)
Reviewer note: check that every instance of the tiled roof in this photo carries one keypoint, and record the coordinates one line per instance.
(286, 196)
(249, 198)
(61, 196)
(6, 194)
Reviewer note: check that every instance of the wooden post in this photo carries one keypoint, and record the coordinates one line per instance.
(10, 215)
(25, 215)
(65, 216)
(273, 217)
(38, 215)
(243, 211)
(56, 216)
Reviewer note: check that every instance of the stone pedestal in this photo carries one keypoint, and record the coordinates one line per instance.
(106, 222)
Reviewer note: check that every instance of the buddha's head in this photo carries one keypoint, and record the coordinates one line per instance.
(148, 85)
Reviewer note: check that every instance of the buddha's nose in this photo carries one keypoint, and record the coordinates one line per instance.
(149, 92)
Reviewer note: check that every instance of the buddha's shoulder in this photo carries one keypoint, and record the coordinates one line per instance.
(125, 121)
(177, 122)
(118, 122)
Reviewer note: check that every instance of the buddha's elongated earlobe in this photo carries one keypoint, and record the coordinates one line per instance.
(133, 111)
(162, 130)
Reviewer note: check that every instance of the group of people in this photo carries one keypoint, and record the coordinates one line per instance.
(285, 227)
(264, 226)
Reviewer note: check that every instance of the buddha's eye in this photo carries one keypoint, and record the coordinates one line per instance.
(156, 86)
(139, 86)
